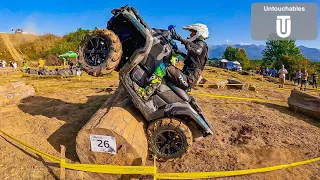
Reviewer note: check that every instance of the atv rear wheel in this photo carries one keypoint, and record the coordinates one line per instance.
(169, 139)
(100, 52)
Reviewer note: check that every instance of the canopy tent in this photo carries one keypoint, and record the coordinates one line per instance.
(224, 60)
(69, 54)
(236, 62)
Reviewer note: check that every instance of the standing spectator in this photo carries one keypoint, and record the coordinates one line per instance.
(41, 63)
(314, 80)
(10, 64)
(274, 72)
(4, 63)
(282, 76)
(298, 76)
(304, 79)
(25, 65)
(14, 65)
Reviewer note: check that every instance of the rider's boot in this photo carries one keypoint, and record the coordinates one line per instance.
(154, 83)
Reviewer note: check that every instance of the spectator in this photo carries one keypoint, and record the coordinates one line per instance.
(4, 63)
(298, 76)
(274, 72)
(14, 65)
(41, 63)
(282, 76)
(10, 63)
(25, 65)
(304, 79)
(314, 80)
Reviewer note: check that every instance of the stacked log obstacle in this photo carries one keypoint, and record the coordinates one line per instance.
(118, 118)
(12, 93)
(236, 84)
(54, 72)
(304, 103)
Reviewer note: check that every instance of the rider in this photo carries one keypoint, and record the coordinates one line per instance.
(194, 62)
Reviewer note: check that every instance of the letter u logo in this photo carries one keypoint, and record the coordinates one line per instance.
(283, 26)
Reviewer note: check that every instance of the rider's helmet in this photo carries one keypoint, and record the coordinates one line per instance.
(200, 29)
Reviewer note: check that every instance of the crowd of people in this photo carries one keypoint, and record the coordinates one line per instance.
(12, 64)
(301, 77)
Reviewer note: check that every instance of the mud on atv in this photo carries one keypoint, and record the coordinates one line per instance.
(130, 47)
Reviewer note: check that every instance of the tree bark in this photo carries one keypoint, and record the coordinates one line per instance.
(120, 119)
(304, 103)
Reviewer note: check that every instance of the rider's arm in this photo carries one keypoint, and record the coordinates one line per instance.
(194, 47)
(177, 51)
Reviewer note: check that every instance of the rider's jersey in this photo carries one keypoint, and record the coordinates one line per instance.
(195, 60)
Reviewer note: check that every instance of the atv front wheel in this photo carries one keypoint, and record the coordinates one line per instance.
(100, 52)
(169, 139)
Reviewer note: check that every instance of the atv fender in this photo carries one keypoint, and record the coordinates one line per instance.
(177, 109)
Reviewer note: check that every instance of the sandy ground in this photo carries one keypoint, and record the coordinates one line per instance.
(247, 134)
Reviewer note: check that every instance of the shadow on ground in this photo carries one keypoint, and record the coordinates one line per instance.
(286, 110)
(75, 116)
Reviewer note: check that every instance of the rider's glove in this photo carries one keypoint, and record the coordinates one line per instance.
(175, 36)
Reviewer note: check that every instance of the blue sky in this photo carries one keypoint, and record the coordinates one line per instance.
(228, 21)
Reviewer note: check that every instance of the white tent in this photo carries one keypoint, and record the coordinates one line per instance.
(224, 60)
(236, 62)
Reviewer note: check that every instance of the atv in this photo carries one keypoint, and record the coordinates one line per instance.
(130, 47)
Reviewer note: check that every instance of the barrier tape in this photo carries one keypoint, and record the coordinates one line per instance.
(196, 175)
(80, 87)
(235, 97)
(197, 94)
(111, 169)
(152, 170)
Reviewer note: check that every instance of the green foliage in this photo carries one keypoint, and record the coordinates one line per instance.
(236, 54)
(255, 64)
(230, 53)
(275, 49)
(287, 53)
(69, 42)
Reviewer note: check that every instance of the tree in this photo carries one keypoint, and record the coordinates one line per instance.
(242, 57)
(236, 54)
(275, 49)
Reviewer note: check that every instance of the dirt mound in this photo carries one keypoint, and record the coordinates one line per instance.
(13, 92)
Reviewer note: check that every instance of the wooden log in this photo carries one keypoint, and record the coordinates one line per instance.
(304, 103)
(236, 84)
(12, 93)
(221, 84)
(120, 119)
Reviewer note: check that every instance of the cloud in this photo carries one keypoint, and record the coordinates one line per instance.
(228, 41)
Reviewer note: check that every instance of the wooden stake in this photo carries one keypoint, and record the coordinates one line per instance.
(62, 169)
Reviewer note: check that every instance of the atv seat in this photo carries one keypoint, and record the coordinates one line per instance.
(180, 92)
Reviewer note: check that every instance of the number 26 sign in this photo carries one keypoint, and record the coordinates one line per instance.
(100, 143)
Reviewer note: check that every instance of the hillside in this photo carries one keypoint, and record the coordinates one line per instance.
(255, 51)
(33, 47)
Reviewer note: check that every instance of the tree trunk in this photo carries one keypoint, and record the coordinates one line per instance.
(120, 119)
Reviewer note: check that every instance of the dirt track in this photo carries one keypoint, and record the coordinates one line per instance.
(247, 134)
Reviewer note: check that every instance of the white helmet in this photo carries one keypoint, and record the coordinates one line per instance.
(201, 30)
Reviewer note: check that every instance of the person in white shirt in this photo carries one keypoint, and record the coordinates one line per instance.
(282, 76)
(4, 63)
(14, 64)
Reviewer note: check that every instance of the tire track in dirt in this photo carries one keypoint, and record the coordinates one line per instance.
(12, 50)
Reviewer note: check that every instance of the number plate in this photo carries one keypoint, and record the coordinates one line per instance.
(101, 143)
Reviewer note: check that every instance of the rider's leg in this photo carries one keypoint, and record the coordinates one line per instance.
(154, 82)
(178, 78)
